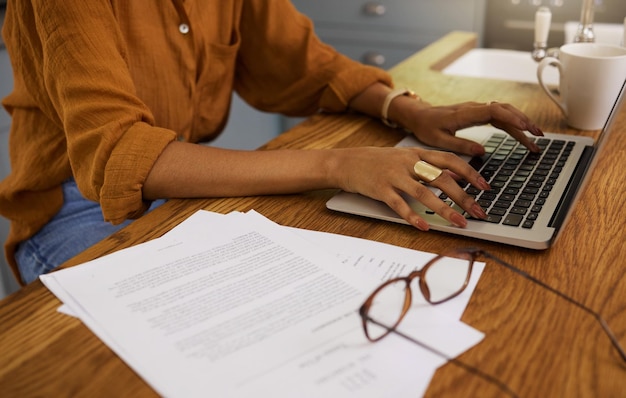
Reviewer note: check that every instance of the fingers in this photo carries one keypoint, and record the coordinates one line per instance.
(494, 111)
(443, 181)
(387, 174)
(447, 182)
(453, 163)
(397, 203)
(422, 194)
(447, 120)
(514, 122)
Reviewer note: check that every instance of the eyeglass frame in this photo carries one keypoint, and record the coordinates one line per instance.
(409, 295)
(474, 254)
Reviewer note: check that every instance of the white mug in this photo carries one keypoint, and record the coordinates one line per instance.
(590, 78)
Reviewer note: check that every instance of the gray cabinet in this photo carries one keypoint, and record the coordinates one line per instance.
(384, 32)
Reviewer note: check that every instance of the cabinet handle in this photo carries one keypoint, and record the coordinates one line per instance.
(374, 9)
(373, 58)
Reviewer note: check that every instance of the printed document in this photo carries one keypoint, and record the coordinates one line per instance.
(237, 306)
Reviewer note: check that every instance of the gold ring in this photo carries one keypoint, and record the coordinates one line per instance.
(492, 102)
(426, 171)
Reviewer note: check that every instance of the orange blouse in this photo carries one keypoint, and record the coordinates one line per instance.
(102, 86)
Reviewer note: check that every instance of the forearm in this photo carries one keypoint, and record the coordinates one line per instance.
(186, 170)
(401, 109)
(189, 170)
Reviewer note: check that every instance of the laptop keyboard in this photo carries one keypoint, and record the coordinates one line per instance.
(520, 180)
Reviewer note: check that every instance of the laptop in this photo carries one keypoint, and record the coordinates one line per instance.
(531, 195)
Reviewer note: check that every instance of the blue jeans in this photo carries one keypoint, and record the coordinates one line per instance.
(78, 225)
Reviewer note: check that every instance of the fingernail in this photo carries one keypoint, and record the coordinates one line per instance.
(477, 211)
(422, 225)
(458, 220)
(483, 184)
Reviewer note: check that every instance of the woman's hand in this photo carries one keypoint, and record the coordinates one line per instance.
(436, 125)
(385, 173)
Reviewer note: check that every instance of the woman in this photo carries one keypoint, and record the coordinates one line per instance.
(111, 98)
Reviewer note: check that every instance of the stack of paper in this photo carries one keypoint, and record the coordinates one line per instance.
(238, 306)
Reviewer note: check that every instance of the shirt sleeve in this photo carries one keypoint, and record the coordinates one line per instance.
(82, 83)
(284, 67)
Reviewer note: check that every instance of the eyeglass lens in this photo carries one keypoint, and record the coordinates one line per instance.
(445, 278)
(442, 279)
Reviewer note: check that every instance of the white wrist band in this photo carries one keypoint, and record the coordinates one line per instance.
(393, 94)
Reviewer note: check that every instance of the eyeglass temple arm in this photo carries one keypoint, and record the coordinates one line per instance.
(462, 364)
(596, 315)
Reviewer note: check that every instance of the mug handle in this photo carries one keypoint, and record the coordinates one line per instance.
(542, 65)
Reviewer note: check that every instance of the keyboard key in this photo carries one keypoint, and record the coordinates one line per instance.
(487, 174)
(488, 196)
(473, 191)
(502, 178)
(484, 203)
(497, 212)
(503, 204)
(512, 220)
(493, 219)
(517, 210)
(515, 186)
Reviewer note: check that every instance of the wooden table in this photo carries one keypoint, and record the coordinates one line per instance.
(537, 343)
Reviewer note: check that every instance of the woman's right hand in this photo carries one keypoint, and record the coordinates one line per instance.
(385, 173)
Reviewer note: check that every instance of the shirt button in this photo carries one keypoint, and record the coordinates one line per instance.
(183, 28)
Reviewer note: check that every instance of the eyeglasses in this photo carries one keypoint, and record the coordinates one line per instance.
(441, 279)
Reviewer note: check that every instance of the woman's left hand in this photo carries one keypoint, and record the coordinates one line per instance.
(436, 125)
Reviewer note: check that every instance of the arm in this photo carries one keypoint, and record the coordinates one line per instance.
(188, 170)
